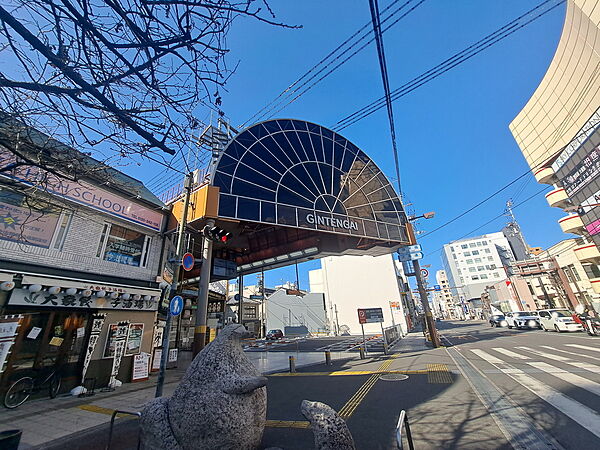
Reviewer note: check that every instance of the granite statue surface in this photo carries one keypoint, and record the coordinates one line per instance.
(329, 429)
(220, 403)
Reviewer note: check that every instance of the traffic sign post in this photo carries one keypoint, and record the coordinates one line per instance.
(176, 305)
(187, 262)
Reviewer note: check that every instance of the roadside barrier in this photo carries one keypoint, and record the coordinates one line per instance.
(403, 422)
(112, 424)
(327, 357)
(292, 364)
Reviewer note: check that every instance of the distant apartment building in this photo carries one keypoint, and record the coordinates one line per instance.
(474, 263)
(443, 300)
(558, 131)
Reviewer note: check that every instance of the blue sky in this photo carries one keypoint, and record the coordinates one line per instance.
(453, 136)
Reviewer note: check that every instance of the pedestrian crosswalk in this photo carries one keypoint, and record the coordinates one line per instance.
(543, 370)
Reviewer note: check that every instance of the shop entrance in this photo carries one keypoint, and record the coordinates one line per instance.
(48, 339)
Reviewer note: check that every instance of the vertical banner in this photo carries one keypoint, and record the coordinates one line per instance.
(8, 334)
(120, 339)
(97, 323)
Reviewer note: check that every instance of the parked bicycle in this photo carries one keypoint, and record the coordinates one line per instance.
(23, 388)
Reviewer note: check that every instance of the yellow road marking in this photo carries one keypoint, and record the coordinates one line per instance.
(342, 373)
(348, 409)
(438, 374)
(287, 424)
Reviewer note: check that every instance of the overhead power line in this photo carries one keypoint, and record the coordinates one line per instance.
(295, 90)
(386, 83)
(470, 233)
(455, 60)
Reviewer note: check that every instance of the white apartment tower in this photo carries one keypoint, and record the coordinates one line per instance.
(443, 299)
(474, 263)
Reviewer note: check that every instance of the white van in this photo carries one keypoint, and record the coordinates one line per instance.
(558, 320)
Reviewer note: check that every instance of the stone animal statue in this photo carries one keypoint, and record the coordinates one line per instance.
(329, 429)
(220, 403)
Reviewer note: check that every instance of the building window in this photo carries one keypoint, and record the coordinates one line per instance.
(472, 244)
(463, 246)
(467, 254)
(591, 270)
(490, 258)
(469, 261)
(483, 242)
(475, 252)
(480, 268)
(530, 288)
(60, 235)
(496, 275)
(484, 276)
(472, 269)
(487, 250)
(574, 271)
(474, 277)
(478, 243)
(452, 249)
(124, 246)
(477, 260)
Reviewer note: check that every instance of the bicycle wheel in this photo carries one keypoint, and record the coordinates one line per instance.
(54, 386)
(18, 392)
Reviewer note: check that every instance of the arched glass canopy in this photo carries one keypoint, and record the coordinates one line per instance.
(299, 174)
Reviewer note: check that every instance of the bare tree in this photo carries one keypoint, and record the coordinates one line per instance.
(126, 74)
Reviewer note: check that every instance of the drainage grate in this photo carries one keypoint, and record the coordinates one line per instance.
(393, 377)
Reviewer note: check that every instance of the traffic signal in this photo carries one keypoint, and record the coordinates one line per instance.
(217, 234)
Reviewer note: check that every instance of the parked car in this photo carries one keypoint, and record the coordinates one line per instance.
(531, 319)
(497, 320)
(558, 320)
(275, 334)
(524, 318)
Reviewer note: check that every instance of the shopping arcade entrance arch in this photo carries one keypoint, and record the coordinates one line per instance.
(290, 191)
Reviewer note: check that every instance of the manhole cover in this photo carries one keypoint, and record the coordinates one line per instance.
(393, 377)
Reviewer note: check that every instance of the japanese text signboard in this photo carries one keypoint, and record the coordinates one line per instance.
(63, 300)
(370, 315)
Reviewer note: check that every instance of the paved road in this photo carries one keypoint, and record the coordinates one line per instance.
(553, 378)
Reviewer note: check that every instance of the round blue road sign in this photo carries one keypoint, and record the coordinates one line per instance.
(187, 262)
(176, 305)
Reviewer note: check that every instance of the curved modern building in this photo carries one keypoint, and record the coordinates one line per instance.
(559, 135)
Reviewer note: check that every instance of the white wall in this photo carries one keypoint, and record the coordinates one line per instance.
(353, 282)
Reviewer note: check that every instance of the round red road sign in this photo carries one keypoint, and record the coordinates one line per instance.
(187, 262)
(424, 273)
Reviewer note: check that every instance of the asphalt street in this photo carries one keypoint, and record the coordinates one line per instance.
(488, 388)
(553, 378)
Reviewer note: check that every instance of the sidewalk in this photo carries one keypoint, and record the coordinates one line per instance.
(370, 393)
(43, 420)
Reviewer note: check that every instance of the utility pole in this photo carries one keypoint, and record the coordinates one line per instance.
(435, 340)
(187, 185)
(203, 285)
(337, 322)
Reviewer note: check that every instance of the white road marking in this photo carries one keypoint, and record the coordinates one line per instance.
(509, 353)
(546, 355)
(569, 352)
(584, 416)
(591, 367)
(584, 347)
(487, 357)
(576, 380)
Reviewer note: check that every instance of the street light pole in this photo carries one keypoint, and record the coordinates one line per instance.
(187, 184)
(435, 340)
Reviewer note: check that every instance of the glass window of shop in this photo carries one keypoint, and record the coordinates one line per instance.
(124, 246)
(48, 339)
